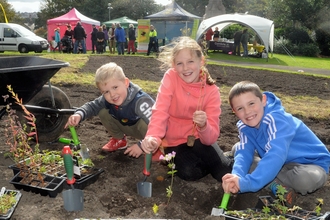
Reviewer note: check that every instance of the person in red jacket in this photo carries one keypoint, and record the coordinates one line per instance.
(208, 36)
(185, 117)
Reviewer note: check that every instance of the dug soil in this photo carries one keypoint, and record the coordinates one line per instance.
(114, 194)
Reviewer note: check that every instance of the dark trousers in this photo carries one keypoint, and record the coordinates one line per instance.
(193, 163)
(152, 45)
(94, 44)
(237, 48)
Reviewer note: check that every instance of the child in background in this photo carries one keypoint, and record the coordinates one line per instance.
(57, 39)
(187, 107)
(290, 153)
(124, 109)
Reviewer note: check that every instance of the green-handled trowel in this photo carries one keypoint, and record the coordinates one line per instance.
(223, 206)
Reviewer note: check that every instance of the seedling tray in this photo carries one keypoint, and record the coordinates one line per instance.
(12, 209)
(53, 186)
(266, 201)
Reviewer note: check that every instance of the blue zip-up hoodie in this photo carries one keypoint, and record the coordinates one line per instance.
(280, 139)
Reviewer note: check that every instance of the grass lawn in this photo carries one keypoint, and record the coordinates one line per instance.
(277, 59)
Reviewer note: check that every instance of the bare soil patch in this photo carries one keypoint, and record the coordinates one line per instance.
(114, 194)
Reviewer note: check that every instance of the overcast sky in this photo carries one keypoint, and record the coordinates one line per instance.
(34, 5)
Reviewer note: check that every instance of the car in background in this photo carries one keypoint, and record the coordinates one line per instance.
(14, 37)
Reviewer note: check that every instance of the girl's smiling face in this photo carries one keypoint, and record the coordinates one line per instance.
(249, 108)
(114, 90)
(188, 65)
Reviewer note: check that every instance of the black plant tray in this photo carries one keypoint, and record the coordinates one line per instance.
(85, 179)
(52, 188)
(301, 215)
(267, 200)
(12, 209)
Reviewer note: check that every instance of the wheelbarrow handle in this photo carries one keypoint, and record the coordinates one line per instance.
(147, 164)
(74, 135)
(68, 164)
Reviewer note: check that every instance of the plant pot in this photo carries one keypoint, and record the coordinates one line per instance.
(9, 213)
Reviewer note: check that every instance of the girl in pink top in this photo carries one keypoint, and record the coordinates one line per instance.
(185, 117)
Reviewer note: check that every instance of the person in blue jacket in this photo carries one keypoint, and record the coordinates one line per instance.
(120, 36)
(289, 153)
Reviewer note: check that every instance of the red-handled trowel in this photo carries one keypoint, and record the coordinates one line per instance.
(223, 205)
(73, 198)
(145, 188)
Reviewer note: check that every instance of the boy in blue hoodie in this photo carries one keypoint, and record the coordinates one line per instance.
(290, 154)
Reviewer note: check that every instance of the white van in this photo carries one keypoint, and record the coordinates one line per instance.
(14, 37)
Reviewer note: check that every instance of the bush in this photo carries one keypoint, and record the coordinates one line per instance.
(323, 40)
(298, 36)
(309, 50)
(282, 46)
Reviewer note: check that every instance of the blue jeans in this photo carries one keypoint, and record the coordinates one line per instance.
(245, 47)
(76, 44)
(120, 48)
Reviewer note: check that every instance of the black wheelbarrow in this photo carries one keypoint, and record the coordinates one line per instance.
(29, 77)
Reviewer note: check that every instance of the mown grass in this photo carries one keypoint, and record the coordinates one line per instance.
(278, 59)
(306, 106)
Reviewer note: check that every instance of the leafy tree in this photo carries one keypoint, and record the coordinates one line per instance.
(196, 7)
(11, 15)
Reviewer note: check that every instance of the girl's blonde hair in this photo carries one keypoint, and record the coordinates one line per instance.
(109, 71)
(169, 52)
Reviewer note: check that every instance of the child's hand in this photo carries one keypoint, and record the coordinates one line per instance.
(230, 183)
(200, 118)
(73, 120)
(133, 151)
(149, 144)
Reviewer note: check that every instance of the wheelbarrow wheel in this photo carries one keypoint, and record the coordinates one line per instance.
(50, 126)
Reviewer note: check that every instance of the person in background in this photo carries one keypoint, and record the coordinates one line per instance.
(57, 39)
(216, 34)
(244, 41)
(123, 108)
(100, 41)
(93, 38)
(106, 37)
(131, 39)
(289, 153)
(120, 39)
(69, 32)
(185, 117)
(79, 36)
(237, 42)
(208, 37)
(153, 41)
(112, 39)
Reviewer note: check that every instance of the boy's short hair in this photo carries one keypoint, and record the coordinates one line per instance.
(243, 87)
(108, 71)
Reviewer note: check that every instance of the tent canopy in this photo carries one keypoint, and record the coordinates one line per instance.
(73, 16)
(172, 12)
(124, 22)
(262, 26)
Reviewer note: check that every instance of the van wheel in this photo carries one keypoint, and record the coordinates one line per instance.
(23, 49)
(50, 126)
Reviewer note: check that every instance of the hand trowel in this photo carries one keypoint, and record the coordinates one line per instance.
(73, 198)
(145, 188)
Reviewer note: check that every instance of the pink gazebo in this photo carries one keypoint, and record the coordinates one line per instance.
(72, 17)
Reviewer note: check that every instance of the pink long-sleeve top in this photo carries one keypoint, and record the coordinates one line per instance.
(172, 115)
